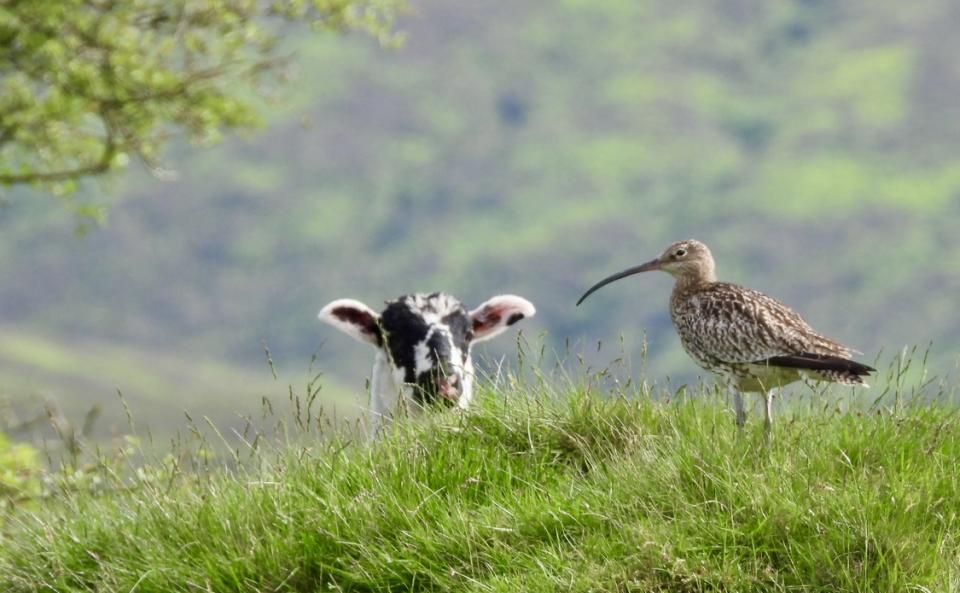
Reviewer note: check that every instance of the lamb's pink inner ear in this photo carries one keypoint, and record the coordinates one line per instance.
(363, 320)
(485, 321)
(497, 314)
(353, 318)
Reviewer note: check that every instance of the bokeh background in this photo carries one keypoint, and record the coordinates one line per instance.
(512, 146)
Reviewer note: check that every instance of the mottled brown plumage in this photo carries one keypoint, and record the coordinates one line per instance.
(753, 341)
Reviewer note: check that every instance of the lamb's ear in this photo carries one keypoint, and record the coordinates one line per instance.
(354, 319)
(493, 317)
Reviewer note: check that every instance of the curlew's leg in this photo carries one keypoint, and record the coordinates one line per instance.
(738, 406)
(769, 407)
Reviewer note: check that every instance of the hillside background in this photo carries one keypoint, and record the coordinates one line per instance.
(512, 146)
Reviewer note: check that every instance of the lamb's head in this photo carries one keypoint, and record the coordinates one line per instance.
(425, 340)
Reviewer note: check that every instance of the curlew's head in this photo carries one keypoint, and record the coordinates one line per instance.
(690, 262)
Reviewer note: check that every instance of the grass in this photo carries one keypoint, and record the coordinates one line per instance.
(530, 491)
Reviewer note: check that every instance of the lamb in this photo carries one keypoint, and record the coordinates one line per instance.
(423, 346)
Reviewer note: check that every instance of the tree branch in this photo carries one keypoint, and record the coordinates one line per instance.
(102, 165)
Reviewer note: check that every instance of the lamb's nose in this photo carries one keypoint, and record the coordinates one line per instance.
(449, 388)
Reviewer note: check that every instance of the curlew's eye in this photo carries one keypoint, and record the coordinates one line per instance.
(680, 252)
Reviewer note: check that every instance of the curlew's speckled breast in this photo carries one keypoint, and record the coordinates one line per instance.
(729, 329)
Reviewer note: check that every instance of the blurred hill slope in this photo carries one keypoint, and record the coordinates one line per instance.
(535, 147)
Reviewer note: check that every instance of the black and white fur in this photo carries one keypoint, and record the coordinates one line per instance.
(423, 346)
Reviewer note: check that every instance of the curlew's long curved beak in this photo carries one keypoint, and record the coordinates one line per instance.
(650, 265)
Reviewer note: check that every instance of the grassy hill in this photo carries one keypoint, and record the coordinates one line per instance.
(533, 148)
(538, 489)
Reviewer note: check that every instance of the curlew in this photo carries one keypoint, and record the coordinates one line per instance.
(752, 341)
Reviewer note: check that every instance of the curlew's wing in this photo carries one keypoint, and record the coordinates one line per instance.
(821, 362)
(731, 324)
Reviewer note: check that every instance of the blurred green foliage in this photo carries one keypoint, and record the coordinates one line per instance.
(20, 469)
(86, 85)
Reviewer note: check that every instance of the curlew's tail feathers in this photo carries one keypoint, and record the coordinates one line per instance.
(824, 366)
